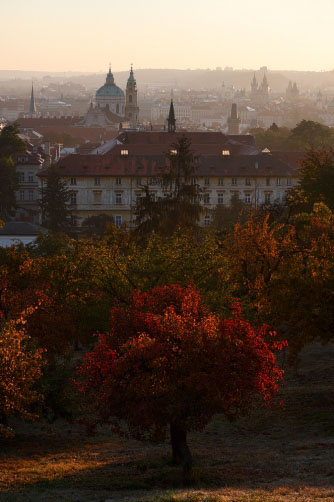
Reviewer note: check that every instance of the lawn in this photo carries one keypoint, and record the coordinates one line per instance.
(274, 455)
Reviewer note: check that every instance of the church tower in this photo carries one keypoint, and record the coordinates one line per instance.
(32, 107)
(171, 118)
(131, 106)
(254, 86)
(233, 121)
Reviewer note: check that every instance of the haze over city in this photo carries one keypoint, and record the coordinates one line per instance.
(167, 251)
(85, 36)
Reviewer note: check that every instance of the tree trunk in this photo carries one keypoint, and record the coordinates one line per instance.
(180, 449)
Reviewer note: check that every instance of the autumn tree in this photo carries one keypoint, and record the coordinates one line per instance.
(20, 368)
(169, 363)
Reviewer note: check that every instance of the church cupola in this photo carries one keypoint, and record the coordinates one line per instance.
(110, 78)
(131, 105)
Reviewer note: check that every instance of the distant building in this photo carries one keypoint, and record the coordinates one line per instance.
(27, 165)
(17, 232)
(259, 93)
(112, 107)
(292, 91)
(233, 122)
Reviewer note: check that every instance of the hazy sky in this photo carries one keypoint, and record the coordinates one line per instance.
(84, 35)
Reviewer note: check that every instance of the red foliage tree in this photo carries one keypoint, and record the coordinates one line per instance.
(168, 362)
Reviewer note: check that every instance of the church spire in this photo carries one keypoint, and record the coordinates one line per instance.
(32, 107)
(171, 118)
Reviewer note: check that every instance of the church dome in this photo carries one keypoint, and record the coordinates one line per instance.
(110, 88)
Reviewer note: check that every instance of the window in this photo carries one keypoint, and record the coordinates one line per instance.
(289, 181)
(247, 181)
(97, 181)
(152, 195)
(268, 182)
(21, 194)
(97, 197)
(220, 198)
(138, 181)
(118, 198)
(267, 198)
(278, 181)
(118, 220)
(193, 180)
(73, 181)
(73, 199)
(247, 198)
(30, 195)
(225, 152)
(30, 177)
(207, 220)
(173, 152)
(206, 198)
(124, 152)
(206, 181)
(234, 181)
(138, 197)
(118, 181)
(154, 181)
(21, 177)
(220, 181)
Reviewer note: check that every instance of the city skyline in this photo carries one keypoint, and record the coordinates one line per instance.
(84, 37)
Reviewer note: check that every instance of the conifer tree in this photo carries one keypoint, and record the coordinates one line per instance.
(55, 202)
(179, 205)
(10, 143)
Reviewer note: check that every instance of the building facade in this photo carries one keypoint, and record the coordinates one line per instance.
(111, 183)
(28, 164)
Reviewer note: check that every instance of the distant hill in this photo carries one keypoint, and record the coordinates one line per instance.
(195, 79)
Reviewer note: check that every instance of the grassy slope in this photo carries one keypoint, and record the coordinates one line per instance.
(274, 455)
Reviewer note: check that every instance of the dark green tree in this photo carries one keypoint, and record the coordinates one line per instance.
(316, 182)
(225, 217)
(179, 206)
(55, 202)
(96, 225)
(10, 143)
(310, 134)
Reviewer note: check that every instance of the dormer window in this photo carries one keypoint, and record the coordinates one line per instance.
(173, 152)
(124, 152)
(225, 152)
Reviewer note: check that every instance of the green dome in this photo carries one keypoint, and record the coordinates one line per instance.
(110, 90)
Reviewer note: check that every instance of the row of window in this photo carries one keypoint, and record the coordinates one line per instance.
(157, 181)
(23, 180)
(97, 181)
(248, 181)
(119, 198)
(22, 195)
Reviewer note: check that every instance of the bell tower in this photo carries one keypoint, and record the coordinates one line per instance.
(131, 106)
